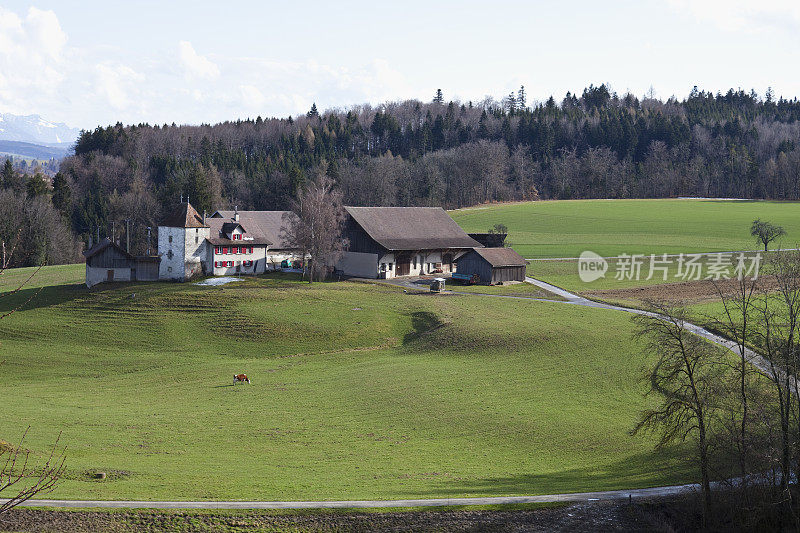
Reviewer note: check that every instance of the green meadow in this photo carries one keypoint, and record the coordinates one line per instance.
(565, 228)
(358, 391)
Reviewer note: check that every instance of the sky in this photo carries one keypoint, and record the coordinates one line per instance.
(91, 63)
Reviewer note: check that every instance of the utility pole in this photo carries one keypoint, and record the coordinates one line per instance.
(98, 233)
(148, 240)
(114, 231)
(128, 235)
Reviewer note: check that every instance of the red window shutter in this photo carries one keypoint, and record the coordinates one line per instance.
(251, 249)
(224, 250)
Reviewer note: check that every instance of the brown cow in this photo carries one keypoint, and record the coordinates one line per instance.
(240, 378)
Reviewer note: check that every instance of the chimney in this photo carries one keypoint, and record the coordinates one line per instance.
(236, 213)
(204, 217)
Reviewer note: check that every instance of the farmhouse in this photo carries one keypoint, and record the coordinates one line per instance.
(386, 242)
(106, 261)
(493, 265)
(271, 225)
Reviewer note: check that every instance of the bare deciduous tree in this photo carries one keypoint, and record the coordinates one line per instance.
(317, 229)
(23, 480)
(685, 376)
(766, 232)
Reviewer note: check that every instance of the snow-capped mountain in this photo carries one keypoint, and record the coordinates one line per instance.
(34, 129)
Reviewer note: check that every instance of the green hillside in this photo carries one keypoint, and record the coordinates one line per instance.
(358, 391)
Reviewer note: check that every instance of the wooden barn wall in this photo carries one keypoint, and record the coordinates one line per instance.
(110, 257)
(508, 274)
(359, 240)
(472, 263)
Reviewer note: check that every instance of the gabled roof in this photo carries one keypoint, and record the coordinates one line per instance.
(411, 228)
(501, 257)
(183, 216)
(102, 245)
(266, 223)
(221, 227)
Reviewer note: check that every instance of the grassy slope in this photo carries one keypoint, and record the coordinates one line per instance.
(350, 398)
(611, 227)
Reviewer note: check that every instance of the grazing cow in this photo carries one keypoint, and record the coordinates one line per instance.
(240, 378)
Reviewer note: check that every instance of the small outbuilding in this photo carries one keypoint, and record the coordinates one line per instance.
(105, 261)
(492, 265)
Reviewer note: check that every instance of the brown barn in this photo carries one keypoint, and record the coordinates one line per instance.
(493, 265)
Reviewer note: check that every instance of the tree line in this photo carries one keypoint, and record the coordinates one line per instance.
(450, 154)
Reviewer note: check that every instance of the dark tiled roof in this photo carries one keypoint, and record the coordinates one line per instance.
(102, 245)
(220, 227)
(501, 257)
(183, 216)
(267, 223)
(411, 228)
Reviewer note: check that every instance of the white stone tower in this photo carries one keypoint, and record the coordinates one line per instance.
(182, 244)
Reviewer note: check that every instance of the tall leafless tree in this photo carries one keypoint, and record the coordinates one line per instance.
(685, 377)
(317, 229)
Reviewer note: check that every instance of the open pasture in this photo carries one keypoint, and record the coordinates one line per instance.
(565, 228)
(358, 391)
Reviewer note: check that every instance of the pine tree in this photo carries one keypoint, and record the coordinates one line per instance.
(313, 112)
(62, 194)
(439, 98)
(521, 98)
(8, 177)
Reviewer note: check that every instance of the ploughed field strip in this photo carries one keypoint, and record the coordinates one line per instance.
(358, 391)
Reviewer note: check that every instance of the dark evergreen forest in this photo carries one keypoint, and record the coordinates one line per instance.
(452, 154)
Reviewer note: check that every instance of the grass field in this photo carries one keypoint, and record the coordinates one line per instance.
(612, 227)
(359, 391)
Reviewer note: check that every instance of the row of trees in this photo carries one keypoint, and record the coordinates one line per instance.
(742, 412)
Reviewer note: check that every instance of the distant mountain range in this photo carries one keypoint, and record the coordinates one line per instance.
(31, 136)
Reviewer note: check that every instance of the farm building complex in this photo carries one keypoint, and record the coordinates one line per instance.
(382, 242)
(387, 242)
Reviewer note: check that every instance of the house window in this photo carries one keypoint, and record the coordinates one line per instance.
(415, 261)
(247, 263)
(251, 250)
(236, 249)
(230, 263)
(170, 238)
(383, 267)
(170, 254)
(196, 240)
(237, 236)
(217, 250)
(225, 250)
(390, 266)
(169, 269)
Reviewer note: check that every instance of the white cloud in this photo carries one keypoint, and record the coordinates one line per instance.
(86, 86)
(115, 82)
(31, 57)
(744, 15)
(195, 64)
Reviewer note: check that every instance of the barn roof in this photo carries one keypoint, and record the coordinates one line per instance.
(501, 257)
(102, 245)
(267, 223)
(411, 228)
(183, 216)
